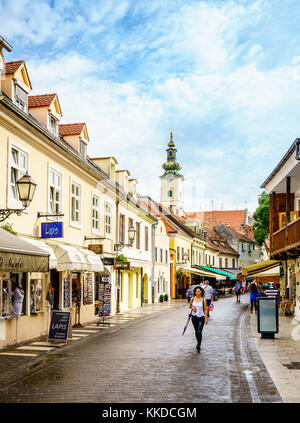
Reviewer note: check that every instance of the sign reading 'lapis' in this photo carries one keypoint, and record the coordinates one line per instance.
(52, 230)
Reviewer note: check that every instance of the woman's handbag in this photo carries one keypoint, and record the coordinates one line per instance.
(211, 307)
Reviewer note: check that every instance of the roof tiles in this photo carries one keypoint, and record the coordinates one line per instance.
(40, 100)
(71, 128)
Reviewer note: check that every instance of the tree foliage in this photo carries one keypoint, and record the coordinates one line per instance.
(261, 217)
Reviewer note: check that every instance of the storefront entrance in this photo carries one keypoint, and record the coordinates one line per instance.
(54, 278)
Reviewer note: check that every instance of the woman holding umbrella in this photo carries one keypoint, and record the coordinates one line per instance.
(199, 313)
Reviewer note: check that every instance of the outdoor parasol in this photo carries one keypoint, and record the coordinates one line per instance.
(187, 322)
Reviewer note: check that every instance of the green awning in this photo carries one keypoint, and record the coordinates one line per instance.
(220, 272)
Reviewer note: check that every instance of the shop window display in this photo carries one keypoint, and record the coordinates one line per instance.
(76, 289)
(36, 296)
(5, 297)
(87, 288)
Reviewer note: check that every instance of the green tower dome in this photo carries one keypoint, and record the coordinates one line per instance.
(171, 166)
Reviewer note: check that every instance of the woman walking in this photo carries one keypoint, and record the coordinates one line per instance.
(199, 313)
(253, 296)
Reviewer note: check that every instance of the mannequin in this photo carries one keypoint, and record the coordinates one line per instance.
(18, 294)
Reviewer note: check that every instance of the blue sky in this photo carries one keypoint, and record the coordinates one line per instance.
(224, 75)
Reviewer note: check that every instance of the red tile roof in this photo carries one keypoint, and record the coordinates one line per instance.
(234, 218)
(40, 100)
(71, 128)
(12, 67)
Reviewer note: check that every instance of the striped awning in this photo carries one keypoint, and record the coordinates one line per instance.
(259, 267)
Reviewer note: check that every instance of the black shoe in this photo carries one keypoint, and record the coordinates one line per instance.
(198, 349)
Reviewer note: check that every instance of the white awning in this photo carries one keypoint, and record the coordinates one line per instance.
(93, 260)
(69, 258)
(17, 255)
(43, 246)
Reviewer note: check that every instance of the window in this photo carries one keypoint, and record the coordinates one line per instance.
(55, 190)
(226, 263)
(18, 168)
(21, 98)
(156, 254)
(233, 263)
(170, 193)
(213, 260)
(220, 261)
(188, 252)
(166, 256)
(161, 255)
(178, 253)
(122, 229)
(107, 219)
(182, 253)
(75, 202)
(36, 296)
(96, 213)
(138, 235)
(82, 149)
(53, 125)
(146, 238)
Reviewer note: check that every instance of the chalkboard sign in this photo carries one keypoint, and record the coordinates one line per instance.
(59, 325)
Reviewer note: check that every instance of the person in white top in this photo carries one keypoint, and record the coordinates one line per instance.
(199, 313)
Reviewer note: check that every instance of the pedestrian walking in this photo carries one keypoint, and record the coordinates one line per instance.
(208, 293)
(260, 289)
(238, 288)
(253, 296)
(243, 287)
(199, 308)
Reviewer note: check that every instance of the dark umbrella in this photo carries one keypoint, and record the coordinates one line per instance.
(187, 322)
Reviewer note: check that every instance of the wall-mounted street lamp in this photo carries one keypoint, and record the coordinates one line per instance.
(131, 238)
(26, 189)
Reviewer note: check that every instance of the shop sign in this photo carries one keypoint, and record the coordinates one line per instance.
(52, 230)
(23, 263)
(122, 265)
(108, 261)
(59, 325)
(96, 248)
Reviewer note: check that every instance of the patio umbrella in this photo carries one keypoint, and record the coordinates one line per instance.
(187, 322)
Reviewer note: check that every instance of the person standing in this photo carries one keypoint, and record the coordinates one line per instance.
(208, 293)
(199, 308)
(238, 288)
(253, 296)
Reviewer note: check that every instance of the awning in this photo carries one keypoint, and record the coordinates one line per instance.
(219, 272)
(275, 271)
(197, 272)
(259, 267)
(17, 255)
(93, 260)
(69, 258)
(43, 246)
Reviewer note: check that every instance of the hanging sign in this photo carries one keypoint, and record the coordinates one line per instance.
(52, 230)
(108, 261)
(120, 265)
(96, 248)
(59, 325)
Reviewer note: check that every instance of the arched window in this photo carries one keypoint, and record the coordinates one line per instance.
(170, 193)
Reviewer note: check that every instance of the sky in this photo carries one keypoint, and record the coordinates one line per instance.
(223, 75)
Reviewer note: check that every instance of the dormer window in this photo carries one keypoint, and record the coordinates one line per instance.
(21, 98)
(82, 149)
(53, 125)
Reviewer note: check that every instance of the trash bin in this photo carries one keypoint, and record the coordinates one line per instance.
(267, 317)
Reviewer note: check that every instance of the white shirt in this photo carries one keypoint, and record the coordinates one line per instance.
(199, 309)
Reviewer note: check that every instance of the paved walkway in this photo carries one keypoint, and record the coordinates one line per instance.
(148, 360)
(281, 356)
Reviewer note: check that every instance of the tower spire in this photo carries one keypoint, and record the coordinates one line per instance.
(171, 165)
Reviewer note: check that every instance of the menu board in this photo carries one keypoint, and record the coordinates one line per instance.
(67, 292)
(105, 296)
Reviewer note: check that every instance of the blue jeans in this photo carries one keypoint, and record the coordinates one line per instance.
(198, 323)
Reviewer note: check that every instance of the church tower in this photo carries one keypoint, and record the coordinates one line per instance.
(172, 181)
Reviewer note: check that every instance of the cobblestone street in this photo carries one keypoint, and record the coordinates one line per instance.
(150, 361)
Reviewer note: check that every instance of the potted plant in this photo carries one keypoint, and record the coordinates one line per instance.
(166, 297)
(161, 298)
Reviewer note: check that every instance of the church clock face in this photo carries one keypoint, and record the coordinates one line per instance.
(170, 178)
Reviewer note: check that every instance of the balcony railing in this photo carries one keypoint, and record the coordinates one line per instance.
(286, 238)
